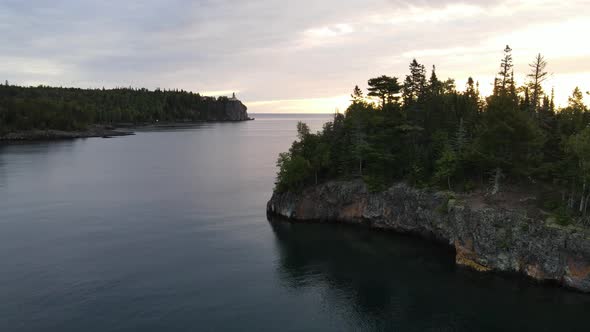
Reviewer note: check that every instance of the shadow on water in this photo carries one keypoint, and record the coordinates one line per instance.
(381, 280)
(14, 155)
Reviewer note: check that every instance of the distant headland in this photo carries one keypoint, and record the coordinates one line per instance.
(43, 112)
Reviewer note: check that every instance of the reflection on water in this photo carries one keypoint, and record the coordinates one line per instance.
(384, 281)
(167, 231)
(19, 155)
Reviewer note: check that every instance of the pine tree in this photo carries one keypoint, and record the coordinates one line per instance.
(497, 87)
(433, 83)
(526, 101)
(552, 100)
(360, 146)
(414, 84)
(385, 88)
(460, 139)
(357, 95)
(470, 87)
(537, 76)
(506, 70)
(576, 100)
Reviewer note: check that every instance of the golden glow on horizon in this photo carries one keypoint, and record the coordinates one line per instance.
(323, 55)
(313, 105)
(561, 41)
(564, 85)
(217, 93)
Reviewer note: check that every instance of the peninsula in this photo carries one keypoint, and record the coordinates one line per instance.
(504, 179)
(37, 113)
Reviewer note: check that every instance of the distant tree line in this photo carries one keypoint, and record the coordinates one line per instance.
(43, 107)
(427, 133)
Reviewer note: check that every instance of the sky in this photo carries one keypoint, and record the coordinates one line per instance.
(287, 56)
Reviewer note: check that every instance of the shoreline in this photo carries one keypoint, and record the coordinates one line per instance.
(485, 237)
(40, 135)
(95, 131)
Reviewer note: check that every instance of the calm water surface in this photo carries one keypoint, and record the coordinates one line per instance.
(166, 231)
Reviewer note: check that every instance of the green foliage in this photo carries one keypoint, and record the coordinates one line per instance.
(357, 95)
(448, 201)
(437, 135)
(42, 107)
(508, 139)
(302, 130)
(469, 186)
(562, 217)
(293, 172)
(385, 88)
(446, 166)
(579, 146)
(414, 84)
(374, 183)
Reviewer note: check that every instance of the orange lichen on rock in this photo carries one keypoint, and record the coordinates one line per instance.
(466, 256)
(353, 211)
(578, 269)
(534, 271)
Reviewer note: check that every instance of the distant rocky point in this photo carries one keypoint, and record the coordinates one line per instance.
(227, 110)
(42, 113)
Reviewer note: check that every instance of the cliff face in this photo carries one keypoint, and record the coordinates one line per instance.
(236, 111)
(485, 238)
(227, 110)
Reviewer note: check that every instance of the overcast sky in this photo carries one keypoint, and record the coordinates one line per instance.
(286, 56)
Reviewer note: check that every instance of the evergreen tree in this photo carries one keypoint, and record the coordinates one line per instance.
(446, 166)
(434, 85)
(357, 95)
(414, 84)
(506, 71)
(445, 137)
(470, 88)
(385, 88)
(576, 100)
(537, 76)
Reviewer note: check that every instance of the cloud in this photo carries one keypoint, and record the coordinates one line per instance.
(281, 51)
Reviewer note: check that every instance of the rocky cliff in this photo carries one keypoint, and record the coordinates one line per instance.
(485, 238)
(226, 110)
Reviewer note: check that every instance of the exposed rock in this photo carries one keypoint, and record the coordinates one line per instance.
(226, 110)
(49, 134)
(485, 238)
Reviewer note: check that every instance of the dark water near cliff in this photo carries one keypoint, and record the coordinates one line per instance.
(166, 231)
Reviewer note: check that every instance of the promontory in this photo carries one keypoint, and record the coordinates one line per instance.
(34, 113)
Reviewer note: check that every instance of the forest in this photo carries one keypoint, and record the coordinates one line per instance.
(43, 107)
(424, 131)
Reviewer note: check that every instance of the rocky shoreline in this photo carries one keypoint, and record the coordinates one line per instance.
(95, 131)
(485, 237)
(49, 134)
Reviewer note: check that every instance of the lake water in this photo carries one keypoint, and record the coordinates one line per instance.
(167, 231)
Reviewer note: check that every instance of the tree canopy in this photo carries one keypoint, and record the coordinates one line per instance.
(437, 136)
(44, 107)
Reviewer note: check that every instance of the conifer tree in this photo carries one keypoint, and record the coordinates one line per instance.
(357, 94)
(537, 76)
(433, 83)
(576, 100)
(414, 84)
(506, 70)
(385, 88)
